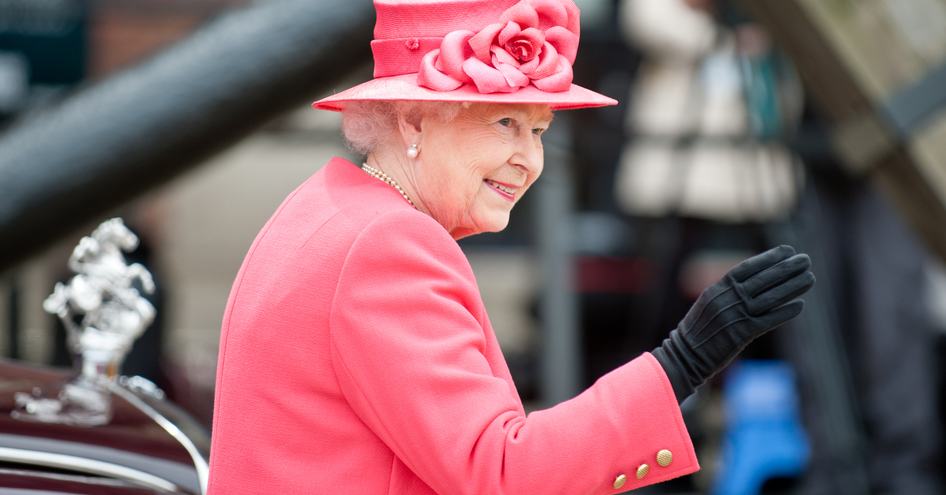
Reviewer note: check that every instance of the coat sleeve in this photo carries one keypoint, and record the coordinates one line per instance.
(408, 352)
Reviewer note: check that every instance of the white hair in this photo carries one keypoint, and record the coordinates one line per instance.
(366, 124)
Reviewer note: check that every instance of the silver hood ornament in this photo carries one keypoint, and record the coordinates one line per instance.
(103, 313)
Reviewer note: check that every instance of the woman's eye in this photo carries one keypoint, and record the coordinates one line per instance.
(506, 122)
(538, 131)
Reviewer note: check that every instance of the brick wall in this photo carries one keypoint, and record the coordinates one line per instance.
(122, 32)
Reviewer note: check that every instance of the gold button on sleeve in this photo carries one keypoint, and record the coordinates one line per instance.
(619, 481)
(642, 471)
(664, 458)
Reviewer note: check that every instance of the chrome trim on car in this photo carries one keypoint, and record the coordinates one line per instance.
(200, 464)
(80, 479)
(73, 463)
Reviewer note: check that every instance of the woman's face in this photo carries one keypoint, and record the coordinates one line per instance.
(472, 170)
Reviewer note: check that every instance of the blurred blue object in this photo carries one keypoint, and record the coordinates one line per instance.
(764, 437)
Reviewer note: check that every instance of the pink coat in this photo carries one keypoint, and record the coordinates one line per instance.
(356, 357)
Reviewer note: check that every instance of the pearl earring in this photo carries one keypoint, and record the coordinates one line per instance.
(412, 151)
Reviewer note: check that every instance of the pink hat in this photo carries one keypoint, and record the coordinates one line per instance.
(491, 51)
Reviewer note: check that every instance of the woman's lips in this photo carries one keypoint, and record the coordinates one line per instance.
(507, 191)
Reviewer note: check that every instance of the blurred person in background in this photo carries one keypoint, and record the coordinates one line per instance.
(709, 103)
(356, 354)
(875, 269)
(715, 114)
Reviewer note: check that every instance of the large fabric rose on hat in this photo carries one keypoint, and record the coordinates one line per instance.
(534, 42)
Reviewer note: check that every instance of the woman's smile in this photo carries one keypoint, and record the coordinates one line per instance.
(506, 191)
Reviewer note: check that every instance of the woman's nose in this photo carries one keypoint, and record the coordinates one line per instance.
(529, 155)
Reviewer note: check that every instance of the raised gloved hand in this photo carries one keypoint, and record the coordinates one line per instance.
(756, 296)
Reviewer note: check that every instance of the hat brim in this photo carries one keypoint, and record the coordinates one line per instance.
(404, 87)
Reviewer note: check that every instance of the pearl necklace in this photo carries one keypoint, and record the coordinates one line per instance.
(383, 177)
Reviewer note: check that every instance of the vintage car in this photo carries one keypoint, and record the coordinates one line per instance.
(148, 446)
(90, 430)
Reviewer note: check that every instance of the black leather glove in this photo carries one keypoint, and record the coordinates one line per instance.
(756, 296)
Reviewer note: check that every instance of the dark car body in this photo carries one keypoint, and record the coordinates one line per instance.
(148, 446)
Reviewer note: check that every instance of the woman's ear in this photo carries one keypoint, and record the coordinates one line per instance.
(410, 126)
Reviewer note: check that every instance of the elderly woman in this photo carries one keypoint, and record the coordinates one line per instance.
(356, 355)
